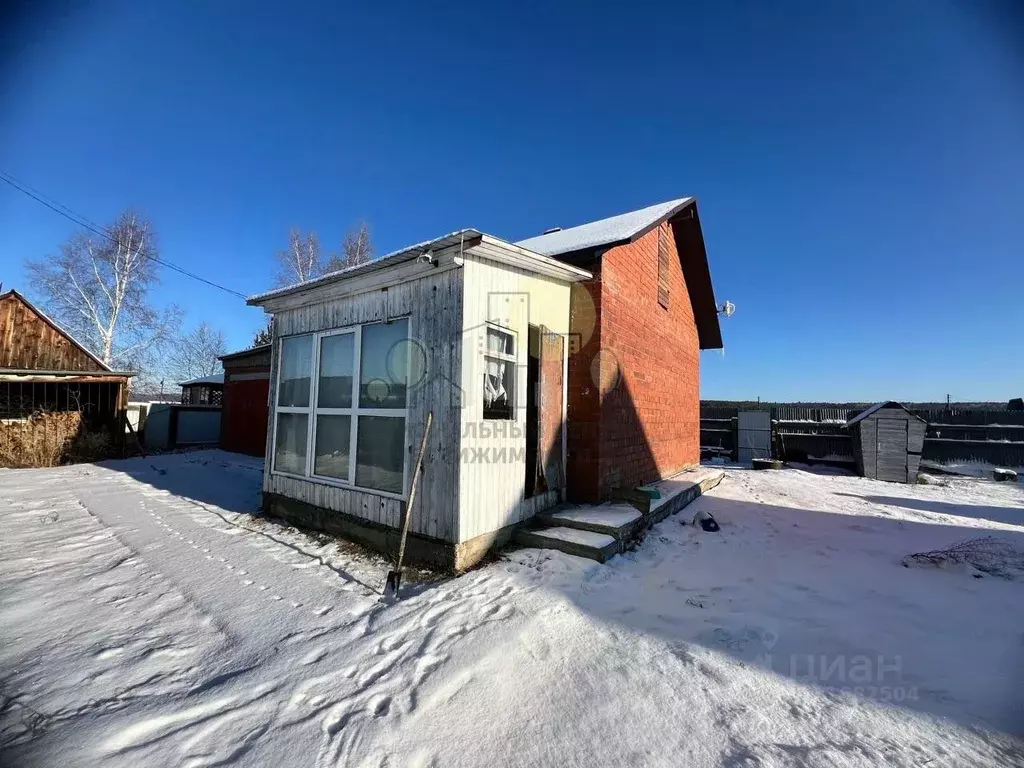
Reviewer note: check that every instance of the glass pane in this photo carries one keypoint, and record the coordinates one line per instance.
(385, 352)
(337, 358)
(380, 453)
(499, 342)
(296, 366)
(290, 451)
(333, 434)
(499, 388)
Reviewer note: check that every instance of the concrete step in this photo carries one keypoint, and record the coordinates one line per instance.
(572, 541)
(620, 521)
(679, 490)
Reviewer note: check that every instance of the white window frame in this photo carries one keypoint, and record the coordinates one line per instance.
(507, 358)
(313, 411)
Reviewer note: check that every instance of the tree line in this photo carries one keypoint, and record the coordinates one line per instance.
(102, 289)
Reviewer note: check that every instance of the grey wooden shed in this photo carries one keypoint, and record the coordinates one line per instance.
(887, 442)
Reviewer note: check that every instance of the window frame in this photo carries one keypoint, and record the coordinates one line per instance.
(512, 359)
(313, 411)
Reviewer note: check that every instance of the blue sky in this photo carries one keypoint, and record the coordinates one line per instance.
(859, 166)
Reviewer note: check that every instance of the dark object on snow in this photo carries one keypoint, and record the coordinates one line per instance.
(394, 580)
(766, 463)
(706, 521)
(1015, 404)
(887, 441)
(989, 554)
(1003, 475)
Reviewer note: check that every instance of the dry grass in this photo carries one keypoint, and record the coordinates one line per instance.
(48, 439)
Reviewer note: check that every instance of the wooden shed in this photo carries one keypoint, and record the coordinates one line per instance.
(244, 407)
(206, 390)
(58, 401)
(887, 442)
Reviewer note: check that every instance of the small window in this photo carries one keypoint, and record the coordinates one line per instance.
(499, 375)
(664, 254)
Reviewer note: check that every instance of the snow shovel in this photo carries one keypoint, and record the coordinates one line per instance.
(394, 580)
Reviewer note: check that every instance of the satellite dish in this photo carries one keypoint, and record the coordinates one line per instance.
(728, 309)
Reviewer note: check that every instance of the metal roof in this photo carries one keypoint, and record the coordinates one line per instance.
(616, 229)
(213, 378)
(396, 257)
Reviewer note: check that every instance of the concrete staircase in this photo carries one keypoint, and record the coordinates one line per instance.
(601, 531)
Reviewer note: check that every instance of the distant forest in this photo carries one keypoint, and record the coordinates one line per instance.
(922, 406)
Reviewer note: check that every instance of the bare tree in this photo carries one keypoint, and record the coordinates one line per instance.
(196, 354)
(355, 250)
(300, 261)
(99, 289)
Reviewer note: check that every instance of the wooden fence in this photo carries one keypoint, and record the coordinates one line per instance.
(801, 433)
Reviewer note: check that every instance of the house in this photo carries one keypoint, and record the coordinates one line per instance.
(887, 442)
(640, 323)
(244, 414)
(502, 343)
(205, 390)
(58, 401)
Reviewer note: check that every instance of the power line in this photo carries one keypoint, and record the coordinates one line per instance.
(85, 223)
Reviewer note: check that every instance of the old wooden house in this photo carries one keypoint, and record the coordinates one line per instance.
(58, 401)
(568, 361)
(887, 442)
(244, 402)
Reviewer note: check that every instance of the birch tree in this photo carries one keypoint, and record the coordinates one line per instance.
(301, 260)
(196, 354)
(355, 250)
(100, 289)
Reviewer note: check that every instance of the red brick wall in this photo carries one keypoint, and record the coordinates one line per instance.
(643, 421)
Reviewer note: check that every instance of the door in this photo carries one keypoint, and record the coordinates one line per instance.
(754, 435)
(891, 450)
(544, 411)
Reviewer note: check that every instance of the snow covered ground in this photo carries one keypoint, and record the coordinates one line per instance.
(149, 618)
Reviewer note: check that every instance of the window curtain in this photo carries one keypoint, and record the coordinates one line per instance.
(494, 380)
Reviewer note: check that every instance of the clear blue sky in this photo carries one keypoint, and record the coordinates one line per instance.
(859, 166)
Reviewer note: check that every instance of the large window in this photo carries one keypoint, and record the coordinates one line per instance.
(341, 404)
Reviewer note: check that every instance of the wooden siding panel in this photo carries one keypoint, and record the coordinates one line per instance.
(29, 341)
(493, 469)
(434, 307)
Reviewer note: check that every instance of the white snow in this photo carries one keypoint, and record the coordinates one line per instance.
(150, 619)
(603, 232)
(213, 378)
(612, 515)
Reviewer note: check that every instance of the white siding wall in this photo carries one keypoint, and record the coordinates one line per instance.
(491, 493)
(434, 307)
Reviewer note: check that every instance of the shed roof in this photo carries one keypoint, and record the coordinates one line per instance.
(615, 229)
(877, 407)
(62, 331)
(497, 248)
(213, 378)
(257, 350)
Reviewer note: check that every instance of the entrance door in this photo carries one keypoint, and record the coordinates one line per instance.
(891, 450)
(544, 400)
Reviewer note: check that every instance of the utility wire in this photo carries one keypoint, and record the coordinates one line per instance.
(81, 221)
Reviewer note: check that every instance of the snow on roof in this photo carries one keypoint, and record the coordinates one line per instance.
(215, 378)
(604, 232)
(395, 257)
(877, 407)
